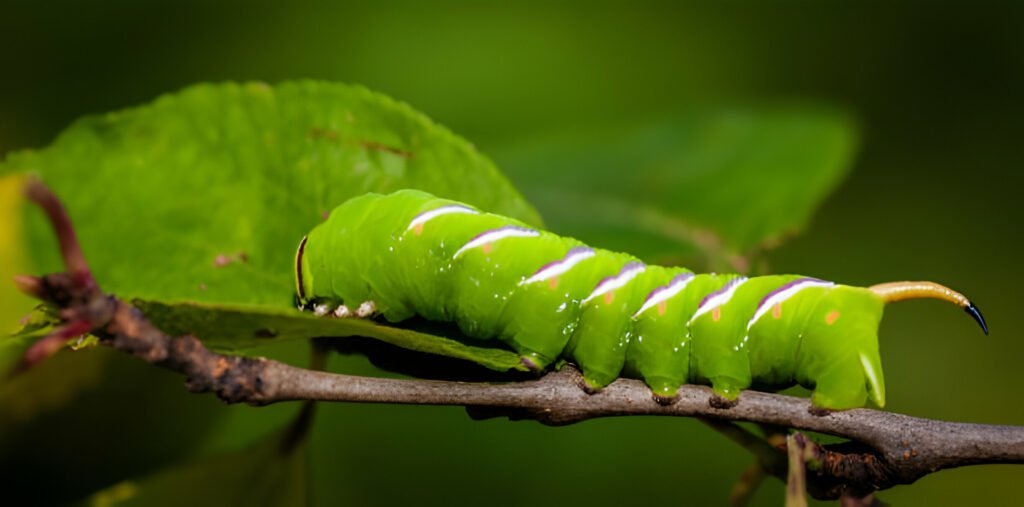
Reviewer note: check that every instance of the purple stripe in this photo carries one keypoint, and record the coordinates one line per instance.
(789, 285)
(631, 265)
(503, 228)
(725, 288)
(680, 278)
(572, 251)
(578, 249)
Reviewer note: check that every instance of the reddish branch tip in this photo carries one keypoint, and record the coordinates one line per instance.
(40, 351)
(30, 285)
(48, 346)
(81, 277)
(70, 250)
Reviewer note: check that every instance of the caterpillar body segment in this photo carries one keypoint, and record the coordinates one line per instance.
(549, 297)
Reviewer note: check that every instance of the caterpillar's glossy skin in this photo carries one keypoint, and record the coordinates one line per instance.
(410, 253)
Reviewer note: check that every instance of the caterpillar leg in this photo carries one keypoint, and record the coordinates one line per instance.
(728, 374)
(325, 309)
(728, 387)
(841, 387)
(665, 390)
(534, 361)
(601, 357)
(366, 309)
(599, 346)
(595, 380)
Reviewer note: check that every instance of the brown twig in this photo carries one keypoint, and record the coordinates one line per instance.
(749, 481)
(796, 480)
(890, 449)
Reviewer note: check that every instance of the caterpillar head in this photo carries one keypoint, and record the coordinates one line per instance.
(303, 276)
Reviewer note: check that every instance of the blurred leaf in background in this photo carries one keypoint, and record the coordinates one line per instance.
(706, 189)
(272, 472)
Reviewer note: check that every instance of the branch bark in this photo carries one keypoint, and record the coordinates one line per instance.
(886, 449)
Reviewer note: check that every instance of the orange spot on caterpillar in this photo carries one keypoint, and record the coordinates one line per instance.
(832, 317)
(418, 229)
(716, 314)
(487, 248)
(777, 311)
(609, 297)
(553, 283)
(662, 306)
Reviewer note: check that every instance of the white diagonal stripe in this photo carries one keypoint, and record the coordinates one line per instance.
(781, 297)
(667, 293)
(509, 231)
(718, 299)
(562, 267)
(628, 272)
(427, 216)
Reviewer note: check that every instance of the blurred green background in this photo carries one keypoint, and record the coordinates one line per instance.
(934, 194)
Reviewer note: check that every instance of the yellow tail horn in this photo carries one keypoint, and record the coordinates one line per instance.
(899, 291)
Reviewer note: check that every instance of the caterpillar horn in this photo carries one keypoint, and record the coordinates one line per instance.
(900, 291)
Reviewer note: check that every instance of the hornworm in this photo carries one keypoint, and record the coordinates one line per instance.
(549, 297)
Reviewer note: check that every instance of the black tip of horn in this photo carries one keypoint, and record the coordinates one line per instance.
(975, 313)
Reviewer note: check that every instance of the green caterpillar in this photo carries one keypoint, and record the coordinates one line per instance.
(548, 297)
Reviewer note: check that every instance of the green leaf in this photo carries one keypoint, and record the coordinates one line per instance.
(39, 323)
(204, 195)
(712, 184)
(233, 328)
(274, 471)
